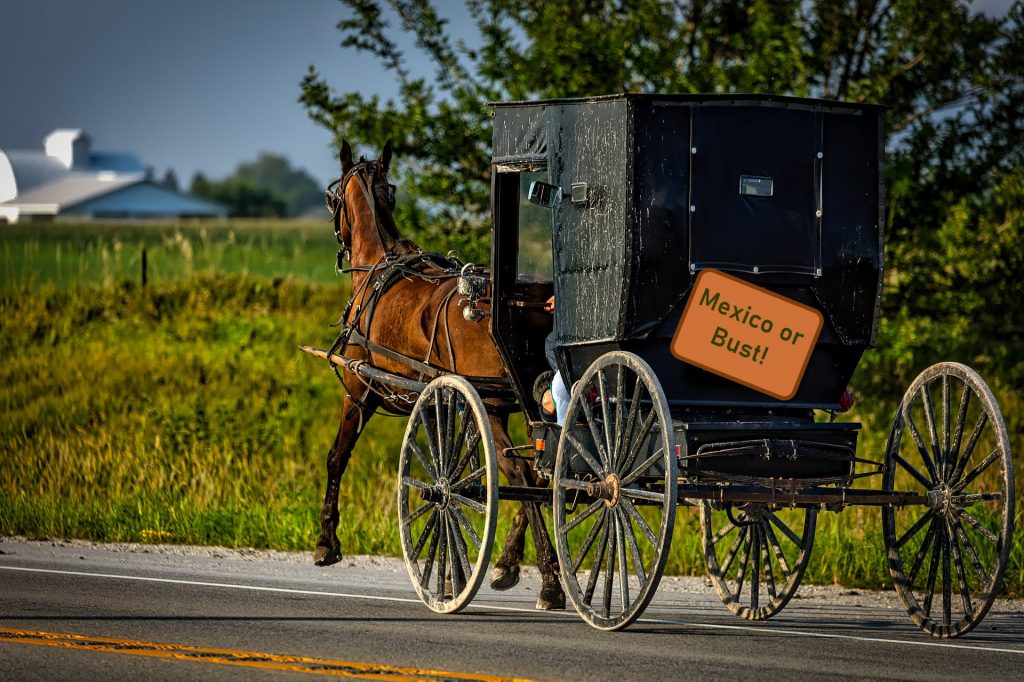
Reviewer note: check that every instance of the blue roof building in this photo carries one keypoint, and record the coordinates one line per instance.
(68, 180)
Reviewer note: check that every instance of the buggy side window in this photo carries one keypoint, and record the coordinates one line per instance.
(534, 259)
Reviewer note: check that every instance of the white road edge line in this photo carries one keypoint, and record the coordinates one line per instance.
(490, 607)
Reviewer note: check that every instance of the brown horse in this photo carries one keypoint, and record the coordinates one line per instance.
(404, 319)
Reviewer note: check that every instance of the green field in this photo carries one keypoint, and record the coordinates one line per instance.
(182, 411)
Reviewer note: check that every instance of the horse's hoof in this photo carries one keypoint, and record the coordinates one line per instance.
(505, 578)
(326, 556)
(551, 598)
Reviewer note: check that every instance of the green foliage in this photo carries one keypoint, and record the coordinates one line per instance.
(242, 197)
(265, 188)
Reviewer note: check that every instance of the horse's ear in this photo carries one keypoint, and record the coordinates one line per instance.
(385, 156)
(346, 157)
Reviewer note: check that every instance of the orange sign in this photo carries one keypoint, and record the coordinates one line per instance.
(746, 333)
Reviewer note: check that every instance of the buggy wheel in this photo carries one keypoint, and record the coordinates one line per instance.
(949, 443)
(756, 557)
(447, 494)
(614, 491)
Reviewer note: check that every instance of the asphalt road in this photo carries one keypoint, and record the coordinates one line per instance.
(81, 611)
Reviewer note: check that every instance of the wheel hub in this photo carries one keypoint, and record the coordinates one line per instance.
(439, 494)
(607, 490)
(940, 498)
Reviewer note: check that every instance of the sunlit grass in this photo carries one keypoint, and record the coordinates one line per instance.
(183, 412)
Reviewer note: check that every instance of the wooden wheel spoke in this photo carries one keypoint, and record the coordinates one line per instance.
(467, 527)
(439, 435)
(958, 428)
(780, 556)
(965, 456)
(424, 535)
(428, 565)
(974, 498)
(460, 437)
(427, 464)
(638, 563)
(449, 427)
(961, 574)
(971, 553)
(462, 553)
(786, 530)
(602, 394)
(725, 530)
(415, 483)
(588, 541)
(578, 448)
(609, 571)
(741, 574)
(730, 556)
(921, 448)
(617, 445)
(947, 592)
(637, 494)
(634, 450)
(620, 552)
(421, 415)
(978, 526)
(591, 424)
(627, 431)
(922, 551)
(406, 520)
(978, 469)
(913, 530)
(469, 478)
(472, 504)
(933, 571)
(928, 485)
(933, 436)
(766, 560)
(639, 521)
(442, 557)
(583, 516)
(643, 467)
(595, 565)
(946, 458)
(755, 567)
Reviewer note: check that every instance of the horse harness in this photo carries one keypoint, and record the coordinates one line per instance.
(380, 277)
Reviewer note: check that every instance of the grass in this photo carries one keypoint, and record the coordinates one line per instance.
(182, 412)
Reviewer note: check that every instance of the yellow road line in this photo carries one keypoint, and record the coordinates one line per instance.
(248, 659)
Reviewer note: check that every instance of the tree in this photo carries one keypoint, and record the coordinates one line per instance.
(944, 72)
(295, 187)
(954, 82)
(243, 198)
(170, 180)
(266, 187)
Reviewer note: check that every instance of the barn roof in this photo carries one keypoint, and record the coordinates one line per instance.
(72, 190)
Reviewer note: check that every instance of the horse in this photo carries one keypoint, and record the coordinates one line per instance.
(405, 321)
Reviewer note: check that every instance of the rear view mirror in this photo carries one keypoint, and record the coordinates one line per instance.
(544, 194)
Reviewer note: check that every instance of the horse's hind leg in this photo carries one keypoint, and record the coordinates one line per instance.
(506, 568)
(328, 548)
(519, 473)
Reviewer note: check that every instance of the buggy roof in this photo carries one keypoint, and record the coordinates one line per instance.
(718, 99)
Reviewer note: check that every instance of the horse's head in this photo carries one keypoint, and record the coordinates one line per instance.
(361, 202)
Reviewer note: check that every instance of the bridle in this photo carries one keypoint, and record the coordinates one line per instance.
(365, 173)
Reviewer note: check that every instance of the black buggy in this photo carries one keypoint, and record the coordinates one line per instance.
(615, 205)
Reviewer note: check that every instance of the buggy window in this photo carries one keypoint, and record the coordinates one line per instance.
(534, 259)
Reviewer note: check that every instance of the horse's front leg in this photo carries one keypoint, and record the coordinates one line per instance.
(353, 419)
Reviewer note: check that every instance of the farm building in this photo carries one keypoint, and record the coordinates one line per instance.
(69, 180)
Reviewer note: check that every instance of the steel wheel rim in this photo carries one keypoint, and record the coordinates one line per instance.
(447, 494)
(613, 534)
(958, 545)
(764, 556)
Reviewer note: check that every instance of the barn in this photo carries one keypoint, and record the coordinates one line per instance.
(68, 180)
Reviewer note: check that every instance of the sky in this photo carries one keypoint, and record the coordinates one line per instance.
(193, 85)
